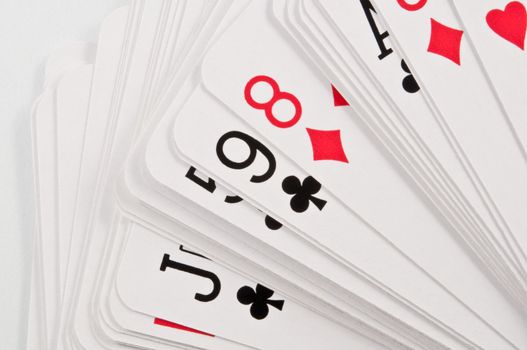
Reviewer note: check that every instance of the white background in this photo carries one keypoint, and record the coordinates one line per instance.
(29, 31)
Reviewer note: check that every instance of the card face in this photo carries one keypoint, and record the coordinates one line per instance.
(443, 62)
(497, 30)
(158, 276)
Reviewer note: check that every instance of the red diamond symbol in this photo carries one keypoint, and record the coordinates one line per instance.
(338, 99)
(327, 145)
(445, 41)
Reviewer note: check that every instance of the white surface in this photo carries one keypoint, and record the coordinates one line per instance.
(29, 31)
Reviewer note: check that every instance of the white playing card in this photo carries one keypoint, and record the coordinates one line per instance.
(497, 31)
(452, 78)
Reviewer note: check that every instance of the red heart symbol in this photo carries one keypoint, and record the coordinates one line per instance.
(510, 24)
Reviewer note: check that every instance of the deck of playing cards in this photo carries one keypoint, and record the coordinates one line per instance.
(285, 174)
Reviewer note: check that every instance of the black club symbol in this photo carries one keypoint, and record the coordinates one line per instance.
(303, 193)
(409, 83)
(259, 299)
